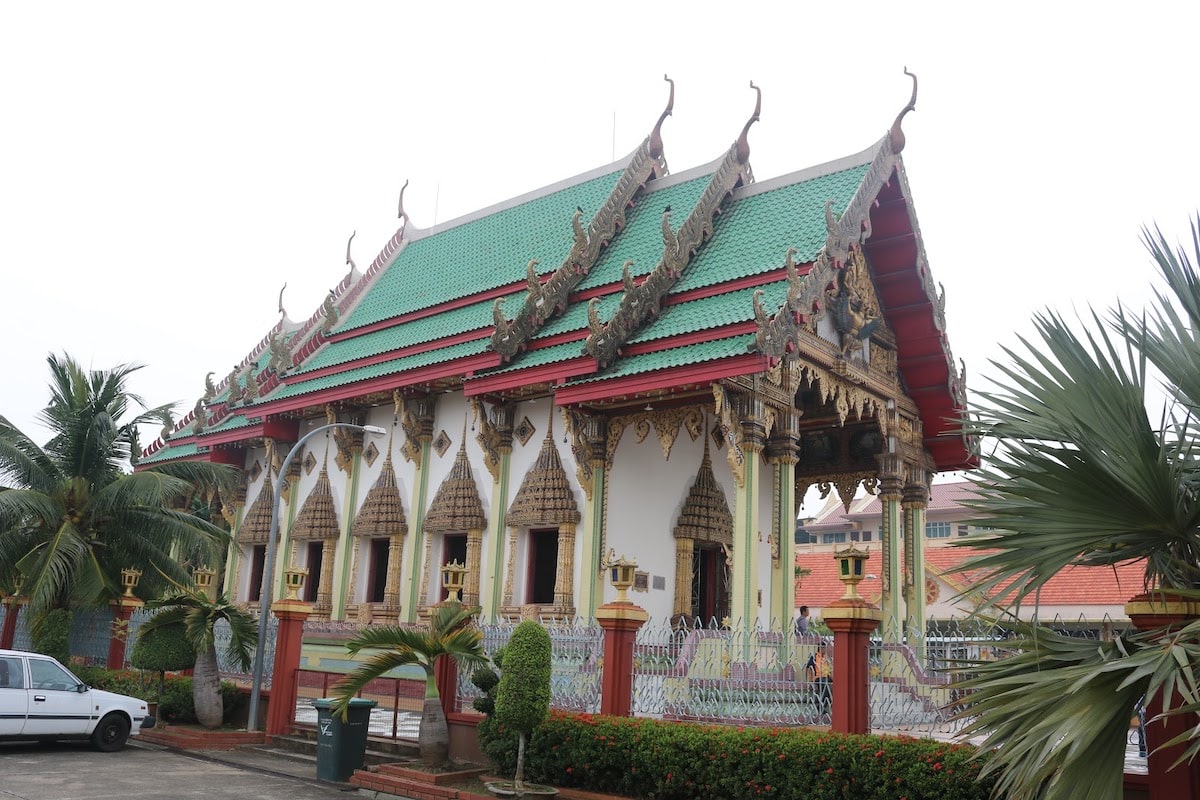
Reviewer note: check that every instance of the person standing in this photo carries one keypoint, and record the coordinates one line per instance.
(802, 621)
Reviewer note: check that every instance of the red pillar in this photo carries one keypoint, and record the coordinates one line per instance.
(9, 632)
(285, 674)
(620, 622)
(445, 675)
(122, 609)
(852, 622)
(1150, 612)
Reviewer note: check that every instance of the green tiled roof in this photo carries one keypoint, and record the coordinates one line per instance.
(480, 254)
(711, 312)
(673, 357)
(169, 452)
(419, 331)
(229, 423)
(752, 235)
(641, 240)
(436, 356)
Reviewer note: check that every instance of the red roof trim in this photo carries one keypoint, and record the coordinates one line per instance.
(392, 355)
(431, 311)
(554, 373)
(707, 371)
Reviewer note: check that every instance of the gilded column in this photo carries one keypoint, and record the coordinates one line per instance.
(891, 483)
(471, 585)
(685, 553)
(783, 451)
(283, 550)
(351, 463)
(564, 579)
(418, 429)
(744, 605)
(510, 576)
(495, 437)
(323, 609)
(590, 448)
(391, 585)
(914, 503)
(423, 600)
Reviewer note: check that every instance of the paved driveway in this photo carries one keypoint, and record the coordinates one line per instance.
(76, 772)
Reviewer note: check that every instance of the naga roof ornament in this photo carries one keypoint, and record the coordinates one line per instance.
(547, 299)
(350, 261)
(401, 214)
(777, 336)
(644, 300)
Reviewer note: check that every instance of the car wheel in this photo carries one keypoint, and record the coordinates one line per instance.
(111, 733)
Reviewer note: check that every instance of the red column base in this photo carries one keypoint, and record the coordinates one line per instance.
(852, 622)
(620, 622)
(285, 677)
(122, 610)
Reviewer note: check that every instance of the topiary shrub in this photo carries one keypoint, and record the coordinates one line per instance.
(163, 650)
(51, 634)
(523, 694)
(176, 702)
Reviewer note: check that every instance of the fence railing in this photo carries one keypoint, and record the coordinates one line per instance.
(397, 714)
(576, 653)
(732, 675)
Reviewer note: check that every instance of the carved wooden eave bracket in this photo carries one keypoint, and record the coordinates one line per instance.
(642, 301)
(543, 301)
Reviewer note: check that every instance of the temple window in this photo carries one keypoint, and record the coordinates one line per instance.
(454, 548)
(377, 569)
(312, 560)
(937, 530)
(543, 566)
(258, 560)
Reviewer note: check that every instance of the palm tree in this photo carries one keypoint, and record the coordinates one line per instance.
(449, 634)
(199, 615)
(73, 516)
(1082, 474)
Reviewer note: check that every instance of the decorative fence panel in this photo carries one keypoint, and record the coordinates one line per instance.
(91, 632)
(577, 650)
(733, 676)
(230, 669)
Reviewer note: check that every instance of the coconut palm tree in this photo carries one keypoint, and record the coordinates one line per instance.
(449, 634)
(1082, 474)
(199, 615)
(73, 516)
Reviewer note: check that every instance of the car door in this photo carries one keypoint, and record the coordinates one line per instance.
(14, 700)
(56, 706)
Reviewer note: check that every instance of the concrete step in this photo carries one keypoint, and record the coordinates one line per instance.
(303, 743)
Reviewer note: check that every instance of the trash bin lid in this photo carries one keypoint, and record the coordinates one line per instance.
(322, 702)
(358, 702)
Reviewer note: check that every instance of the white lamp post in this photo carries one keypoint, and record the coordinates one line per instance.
(269, 567)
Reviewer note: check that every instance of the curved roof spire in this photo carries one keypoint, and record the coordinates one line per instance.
(350, 260)
(282, 310)
(897, 134)
(743, 143)
(400, 212)
(656, 142)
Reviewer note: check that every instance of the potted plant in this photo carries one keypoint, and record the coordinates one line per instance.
(523, 700)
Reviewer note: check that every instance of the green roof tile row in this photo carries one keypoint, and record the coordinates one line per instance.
(684, 355)
(481, 254)
(395, 366)
(711, 312)
(169, 452)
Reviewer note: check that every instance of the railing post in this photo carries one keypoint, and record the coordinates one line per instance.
(285, 675)
(122, 608)
(620, 622)
(1150, 612)
(852, 621)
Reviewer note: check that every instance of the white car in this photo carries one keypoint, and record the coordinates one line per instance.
(41, 699)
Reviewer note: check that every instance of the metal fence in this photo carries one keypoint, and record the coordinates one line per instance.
(732, 675)
(576, 653)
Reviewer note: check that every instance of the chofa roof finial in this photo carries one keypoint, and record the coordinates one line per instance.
(400, 212)
(656, 142)
(743, 143)
(282, 311)
(897, 134)
(350, 260)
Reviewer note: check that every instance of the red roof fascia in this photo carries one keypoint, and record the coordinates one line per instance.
(431, 311)
(392, 355)
(284, 430)
(463, 366)
(545, 373)
(707, 371)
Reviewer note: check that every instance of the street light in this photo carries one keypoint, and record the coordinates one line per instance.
(269, 566)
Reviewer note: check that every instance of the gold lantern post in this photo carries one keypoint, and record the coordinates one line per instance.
(454, 577)
(293, 581)
(851, 563)
(129, 579)
(622, 572)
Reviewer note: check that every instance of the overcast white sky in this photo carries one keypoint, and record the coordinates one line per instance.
(166, 168)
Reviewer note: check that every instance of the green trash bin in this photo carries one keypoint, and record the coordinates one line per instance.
(341, 745)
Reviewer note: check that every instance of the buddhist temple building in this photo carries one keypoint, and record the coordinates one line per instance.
(629, 362)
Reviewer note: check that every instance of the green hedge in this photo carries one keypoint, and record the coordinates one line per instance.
(643, 758)
(176, 703)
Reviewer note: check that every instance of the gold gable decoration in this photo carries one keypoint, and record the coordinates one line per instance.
(382, 512)
(456, 506)
(545, 496)
(318, 518)
(256, 525)
(705, 516)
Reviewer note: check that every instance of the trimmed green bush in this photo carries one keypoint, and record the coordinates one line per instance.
(644, 758)
(164, 649)
(175, 702)
(523, 694)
